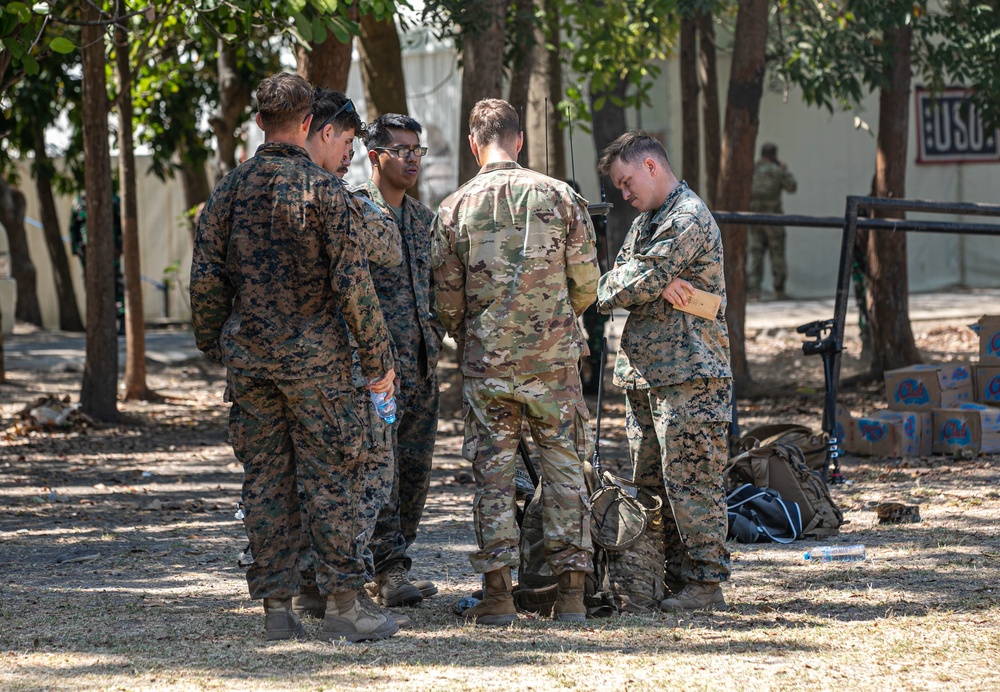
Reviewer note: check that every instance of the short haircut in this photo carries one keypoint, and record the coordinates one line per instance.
(326, 102)
(283, 99)
(378, 135)
(632, 147)
(493, 121)
(769, 150)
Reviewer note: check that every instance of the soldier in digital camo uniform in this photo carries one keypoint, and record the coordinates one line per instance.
(674, 366)
(515, 264)
(406, 294)
(278, 280)
(330, 143)
(770, 177)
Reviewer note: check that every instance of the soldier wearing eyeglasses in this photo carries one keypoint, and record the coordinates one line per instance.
(405, 293)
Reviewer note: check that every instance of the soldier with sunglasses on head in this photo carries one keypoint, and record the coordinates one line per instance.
(406, 296)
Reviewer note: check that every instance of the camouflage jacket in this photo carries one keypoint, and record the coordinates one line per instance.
(279, 274)
(768, 182)
(406, 291)
(515, 262)
(379, 232)
(661, 345)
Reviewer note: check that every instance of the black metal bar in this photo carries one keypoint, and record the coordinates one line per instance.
(522, 448)
(909, 225)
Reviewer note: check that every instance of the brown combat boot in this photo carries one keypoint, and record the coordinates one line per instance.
(696, 596)
(426, 586)
(353, 617)
(309, 602)
(497, 606)
(569, 600)
(279, 620)
(395, 589)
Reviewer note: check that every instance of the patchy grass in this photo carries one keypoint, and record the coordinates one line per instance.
(118, 572)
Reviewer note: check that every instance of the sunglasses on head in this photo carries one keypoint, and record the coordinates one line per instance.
(346, 108)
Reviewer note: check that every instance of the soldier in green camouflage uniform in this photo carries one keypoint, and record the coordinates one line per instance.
(78, 245)
(515, 263)
(406, 295)
(278, 280)
(329, 143)
(674, 366)
(770, 177)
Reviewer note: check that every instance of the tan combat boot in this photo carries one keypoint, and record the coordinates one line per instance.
(426, 586)
(279, 620)
(497, 606)
(353, 617)
(394, 588)
(569, 599)
(696, 596)
(309, 602)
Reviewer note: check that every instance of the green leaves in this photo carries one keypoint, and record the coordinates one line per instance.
(62, 45)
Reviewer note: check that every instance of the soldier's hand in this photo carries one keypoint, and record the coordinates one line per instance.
(678, 292)
(385, 384)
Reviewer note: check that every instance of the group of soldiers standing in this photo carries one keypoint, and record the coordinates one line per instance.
(316, 295)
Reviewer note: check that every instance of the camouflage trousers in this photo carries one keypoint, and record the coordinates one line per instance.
(377, 476)
(761, 240)
(292, 432)
(677, 441)
(413, 438)
(552, 405)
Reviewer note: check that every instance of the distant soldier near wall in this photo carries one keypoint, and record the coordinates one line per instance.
(770, 178)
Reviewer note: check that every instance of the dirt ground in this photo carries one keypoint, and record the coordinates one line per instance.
(118, 565)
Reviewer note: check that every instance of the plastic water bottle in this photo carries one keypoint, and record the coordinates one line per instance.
(386, 408)
(465, 603)
(835, 553)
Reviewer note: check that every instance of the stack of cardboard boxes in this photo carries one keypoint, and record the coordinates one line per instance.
(946, 408)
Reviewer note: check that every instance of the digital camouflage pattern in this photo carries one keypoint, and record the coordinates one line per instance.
(278, 280)
(551, 403)
(678, 446)
(406, 293)
(379, 233)
(276, 265)
(661, 345)
(515, 263)
(289, 433)
(769, 180)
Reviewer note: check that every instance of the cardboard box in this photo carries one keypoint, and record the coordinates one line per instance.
(988, 385)
(842, 428)
(971, 428)
(892, 434)
(989, 340)
(927, 387)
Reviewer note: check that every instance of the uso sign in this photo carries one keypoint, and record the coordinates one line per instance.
(950, 129)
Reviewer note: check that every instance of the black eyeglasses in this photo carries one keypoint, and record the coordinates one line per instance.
(404, 152)
(346, 108)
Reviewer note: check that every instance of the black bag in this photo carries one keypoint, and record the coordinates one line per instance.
(759, 514)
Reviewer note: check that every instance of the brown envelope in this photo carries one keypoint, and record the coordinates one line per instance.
(702, 304)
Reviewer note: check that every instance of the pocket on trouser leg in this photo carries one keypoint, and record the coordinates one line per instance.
(379, 432)
(583, 436)
(470, 447)
(477, 520)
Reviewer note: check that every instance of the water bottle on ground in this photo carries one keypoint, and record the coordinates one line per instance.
(835, 553)
(386, 408)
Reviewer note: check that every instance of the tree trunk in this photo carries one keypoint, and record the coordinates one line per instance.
(234, 99)
(546, 145)
(690, 129)
(328, 64)
(12, 205)
(482, 74)
(608, 123)
(709, 77)
(100, 369)
(888, 294)
(69, 311)
(746, 84)
(382, 67)
(135, 334)
(522, 27)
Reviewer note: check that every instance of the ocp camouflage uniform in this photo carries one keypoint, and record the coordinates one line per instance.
(515, 264)
(765, 197)
(675, 370)
(278, 277)
(383, 247)
(406, 295)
